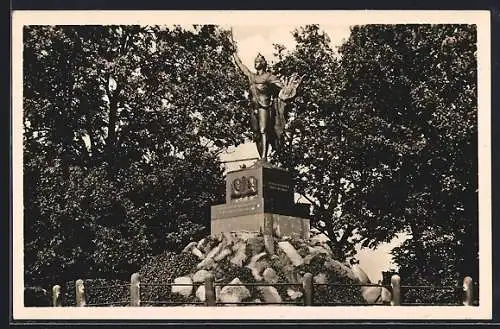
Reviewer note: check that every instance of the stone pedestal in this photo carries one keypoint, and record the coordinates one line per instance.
(260, 199)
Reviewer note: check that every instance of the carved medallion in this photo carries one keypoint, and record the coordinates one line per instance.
(243, 187)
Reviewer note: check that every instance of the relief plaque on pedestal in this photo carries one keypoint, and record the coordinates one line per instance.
(260, 199)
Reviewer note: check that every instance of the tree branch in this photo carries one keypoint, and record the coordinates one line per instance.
(310, 200)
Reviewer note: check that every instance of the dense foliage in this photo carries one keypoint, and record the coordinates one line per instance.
(123, 126)
(384, 141)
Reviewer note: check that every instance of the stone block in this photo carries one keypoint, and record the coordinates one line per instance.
(234, 294)
(187, 286)
(240, 255)
(270, 294)
(292, 254)
(201, 275)
(270, 275)
(293, 294)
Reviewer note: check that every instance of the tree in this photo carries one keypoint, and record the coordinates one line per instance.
(122, 128)
(414, 88)
(384, 141)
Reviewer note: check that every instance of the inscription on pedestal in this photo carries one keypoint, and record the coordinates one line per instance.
(241, 207)
(279, 187)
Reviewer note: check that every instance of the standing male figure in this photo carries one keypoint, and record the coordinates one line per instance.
(269, 96)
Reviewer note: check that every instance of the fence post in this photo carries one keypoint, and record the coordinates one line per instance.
(80, 293)
(396, 290)
(469, 291)
(56, 296)
(135, 290)
(308, 289)
(210, 298)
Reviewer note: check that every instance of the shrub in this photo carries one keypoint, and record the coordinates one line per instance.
(36, 296)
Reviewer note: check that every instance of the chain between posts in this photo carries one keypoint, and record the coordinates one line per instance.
(211, 299)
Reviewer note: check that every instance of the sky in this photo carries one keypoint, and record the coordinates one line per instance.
(252, 40)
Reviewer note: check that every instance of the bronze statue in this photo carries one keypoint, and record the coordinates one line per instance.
(270, 98)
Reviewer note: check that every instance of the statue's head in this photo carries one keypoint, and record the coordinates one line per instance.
(260, 62)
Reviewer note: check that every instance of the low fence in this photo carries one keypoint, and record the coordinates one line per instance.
(308, 287)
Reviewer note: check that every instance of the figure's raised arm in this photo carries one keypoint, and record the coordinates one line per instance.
(240, 64)
(237, 59)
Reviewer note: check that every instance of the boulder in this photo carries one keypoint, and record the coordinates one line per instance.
(256, 266)
(240, 255)
(200, 293)
(308, 258)
(320, 239)
(234, 294)
(223, 254)
(208, 245)
(197, 252)
(290, 251)
(216, 250)
(280, 259)
(301, 242)
(255, 259)
(261, 265)
(303, 251)
(372, 294)
(270, 275)
(201, 275)
(187, 286)
(201, 243)
(321, 250)
(246, 235)
(230, 237)
(256, 245)
(385, 295)
(320, 278)
(207, 264)
(313, 250)
(287, 260)
(236, 246)
(293, 294)
(270, 294)
(315, 231)
(328, 248)
(189, 246)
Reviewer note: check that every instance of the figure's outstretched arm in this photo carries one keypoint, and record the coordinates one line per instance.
(240, 64)
(237, 59)
(274, 80)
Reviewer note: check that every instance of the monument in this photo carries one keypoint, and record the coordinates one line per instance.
(260, 198)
